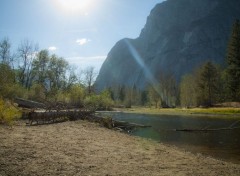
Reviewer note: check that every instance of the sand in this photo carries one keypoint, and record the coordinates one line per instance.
(84, 148)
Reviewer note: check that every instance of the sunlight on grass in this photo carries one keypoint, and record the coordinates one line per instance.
(181, 111)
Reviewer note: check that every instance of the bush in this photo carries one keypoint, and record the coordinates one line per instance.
(99, 102)
(77, 95)
(8, 113)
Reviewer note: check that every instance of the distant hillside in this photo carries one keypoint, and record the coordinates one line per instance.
(179, 36)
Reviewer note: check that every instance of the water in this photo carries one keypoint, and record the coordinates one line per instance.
(223, 145)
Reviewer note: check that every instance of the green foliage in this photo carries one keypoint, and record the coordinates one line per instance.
(99, 102)
(40, 67)
(207, 80)
(233, 60)
(6, 79)
(8, 113)
(144, 98)
(37, 92)
(122, 93)
(76, 95)
(56, 72)
(7, 75)
(202, 88)
(106, 101)
(62, 96)
(9, 88)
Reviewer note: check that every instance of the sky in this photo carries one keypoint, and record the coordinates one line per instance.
(81, 31)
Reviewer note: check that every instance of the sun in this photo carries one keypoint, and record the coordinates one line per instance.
(74, 6)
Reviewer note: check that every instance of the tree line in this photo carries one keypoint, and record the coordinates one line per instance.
(210, 84)
(41, 76)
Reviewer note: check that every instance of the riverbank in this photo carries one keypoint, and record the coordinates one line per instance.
(211, 112)
(83, 148)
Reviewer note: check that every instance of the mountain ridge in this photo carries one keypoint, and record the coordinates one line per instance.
(179, 35)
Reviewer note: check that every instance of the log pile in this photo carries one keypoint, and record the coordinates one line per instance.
(45, 113)
(36, 117)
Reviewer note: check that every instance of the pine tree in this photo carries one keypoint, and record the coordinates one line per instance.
(233, 60)
(207, 83)
(122, 93)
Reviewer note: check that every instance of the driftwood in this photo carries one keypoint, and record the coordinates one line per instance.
(205, 130)
(126, 126)
(56, 116)
(37, 118)
(123, 123)
(56, 112)
(231, 127)
(108, 122)
(29, 104)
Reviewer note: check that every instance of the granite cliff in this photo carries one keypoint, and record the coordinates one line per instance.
(179, 35)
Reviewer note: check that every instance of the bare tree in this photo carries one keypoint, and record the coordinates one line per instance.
(27, 51)
(5, 53)
(80, 74)
(90, 76)
(72, 76)
(154, 95)
(168, 88)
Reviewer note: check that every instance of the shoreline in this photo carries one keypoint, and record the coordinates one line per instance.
(196, 112)
(84, 148)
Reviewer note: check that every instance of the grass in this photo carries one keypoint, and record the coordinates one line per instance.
(180, 111)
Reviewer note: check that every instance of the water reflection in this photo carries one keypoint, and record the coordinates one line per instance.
(220, 144)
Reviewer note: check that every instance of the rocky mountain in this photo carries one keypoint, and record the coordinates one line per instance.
(179, 36)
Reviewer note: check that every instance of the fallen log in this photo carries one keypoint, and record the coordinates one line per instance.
(55, 116)
(29, 104)
(126, 126)
(123, 123)
(205, 130)
(231, 127)
(45, 117)
(108, 122)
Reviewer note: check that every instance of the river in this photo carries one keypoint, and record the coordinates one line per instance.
(223, 144)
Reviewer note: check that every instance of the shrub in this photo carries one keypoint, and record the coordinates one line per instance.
(99, 102)
(8, 113)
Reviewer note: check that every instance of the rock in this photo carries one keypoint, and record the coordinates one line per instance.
(179, 36)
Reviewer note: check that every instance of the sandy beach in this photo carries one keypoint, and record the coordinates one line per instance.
(83, 148)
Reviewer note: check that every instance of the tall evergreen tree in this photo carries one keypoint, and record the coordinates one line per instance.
(207, 83)
(122, 93)
(233, 60)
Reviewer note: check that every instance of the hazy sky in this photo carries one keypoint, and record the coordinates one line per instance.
(81, 31)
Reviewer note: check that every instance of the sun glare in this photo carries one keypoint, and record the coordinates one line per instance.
(75, 6)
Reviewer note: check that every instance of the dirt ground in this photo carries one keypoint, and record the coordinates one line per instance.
(83, 148)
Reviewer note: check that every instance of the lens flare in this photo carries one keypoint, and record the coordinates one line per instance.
(139, 61)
